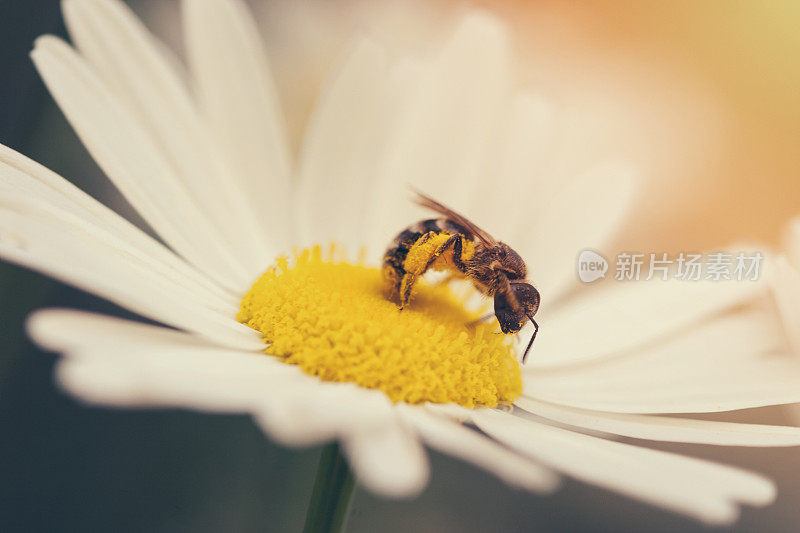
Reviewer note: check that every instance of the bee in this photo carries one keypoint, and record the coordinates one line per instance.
(455, 244)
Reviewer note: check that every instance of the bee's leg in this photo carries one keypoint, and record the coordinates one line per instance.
(456, 241)
(410, 279)
(406, 286)
(458, 250)
(392, 277)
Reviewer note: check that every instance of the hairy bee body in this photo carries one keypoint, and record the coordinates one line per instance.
(456, 244)
(407, 257)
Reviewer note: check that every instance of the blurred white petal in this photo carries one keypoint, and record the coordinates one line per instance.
(786, 290)
(388, 459)
(50, 239)
(791, 242)
(523, 165)
(604, 322)
(573, 213)
(23, 179)
(202, 378)
(448, 125)
(133, 66)
(71, 331)
(345, 135)
(450, 410)
(235, 87)
(66, 248)
(322, 411)
(132, 160)
(725, 364)
(665, 428)
(124, 363)
(707, 491)
(383, 215)
(455, 439)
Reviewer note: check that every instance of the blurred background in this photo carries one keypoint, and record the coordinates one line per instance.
(705, 96)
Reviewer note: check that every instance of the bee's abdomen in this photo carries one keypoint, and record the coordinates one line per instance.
(395, 258)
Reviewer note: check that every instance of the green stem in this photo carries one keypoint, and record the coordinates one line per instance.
(333, 489)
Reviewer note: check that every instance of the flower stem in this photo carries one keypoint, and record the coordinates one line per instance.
(333, 489)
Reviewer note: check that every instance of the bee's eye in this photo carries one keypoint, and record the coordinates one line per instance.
(527, 295)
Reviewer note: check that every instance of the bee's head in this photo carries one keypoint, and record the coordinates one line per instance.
(507, 261)
(516, 306)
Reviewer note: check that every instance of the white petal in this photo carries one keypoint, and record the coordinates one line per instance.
(29, 231)
(455, 439)
(388, 206)
(132, 64)
(704, 490)
(541, 206)
(449, 120)
(584, 211)
(343, 138)
(785, 283)
(791, 242)
(728, 363)
(321, 411)
(522, 159)
(193, 377)
(603, 322)
(388, 459)
(129, 364)
(450, 410)
(22, 178)
(665, 428)
(126, 384)
(64, 247)
(237, 92)
(117, 362)
(131, 159)
(69, 330)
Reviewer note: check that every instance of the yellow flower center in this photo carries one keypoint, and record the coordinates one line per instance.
(332, 320)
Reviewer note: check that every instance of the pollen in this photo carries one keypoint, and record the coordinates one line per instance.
(419, 254)
(330, 318)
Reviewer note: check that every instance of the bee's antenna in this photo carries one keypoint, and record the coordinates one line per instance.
(530, 343)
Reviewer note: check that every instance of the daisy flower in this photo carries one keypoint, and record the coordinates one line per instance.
(202, 155)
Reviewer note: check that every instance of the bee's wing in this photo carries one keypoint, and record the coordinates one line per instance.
(426, 201)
